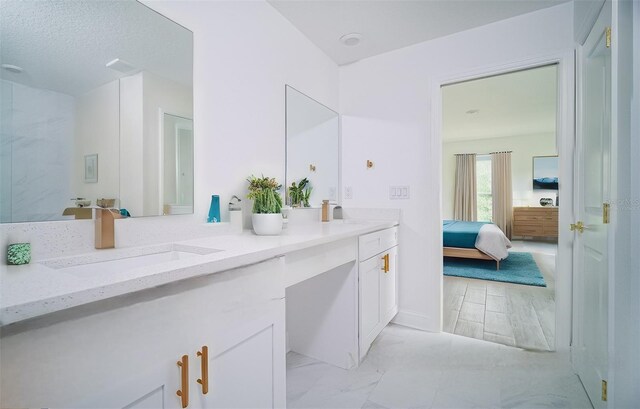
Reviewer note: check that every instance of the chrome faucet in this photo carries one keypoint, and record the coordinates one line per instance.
(105, 229)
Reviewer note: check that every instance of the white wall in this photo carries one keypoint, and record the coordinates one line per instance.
(36, 141)
(244, 54)
(97, 131)
(385, 103)
(524, 148)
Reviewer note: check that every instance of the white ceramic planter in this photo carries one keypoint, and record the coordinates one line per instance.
(269, 224)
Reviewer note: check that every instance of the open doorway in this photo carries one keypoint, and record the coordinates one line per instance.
(500, 207)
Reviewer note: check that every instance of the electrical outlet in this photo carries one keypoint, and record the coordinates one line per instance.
(348, 192)
(399, 192)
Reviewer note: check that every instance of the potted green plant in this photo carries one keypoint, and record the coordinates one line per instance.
(300, 193)
(267, 205)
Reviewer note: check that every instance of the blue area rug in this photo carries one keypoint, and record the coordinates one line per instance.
(518, 268)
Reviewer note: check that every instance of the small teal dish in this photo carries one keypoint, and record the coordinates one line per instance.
(18, 254)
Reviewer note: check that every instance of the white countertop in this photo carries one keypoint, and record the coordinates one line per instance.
(36, 289)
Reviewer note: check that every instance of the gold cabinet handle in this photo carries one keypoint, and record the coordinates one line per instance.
(579, 226)
(183, 392)
(204, 369)
(385, 267)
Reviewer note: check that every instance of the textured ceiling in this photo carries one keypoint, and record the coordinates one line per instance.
(386, 25)
(64, 45)
(519, 103)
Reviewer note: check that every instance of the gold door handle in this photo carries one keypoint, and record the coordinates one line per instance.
(385, 266)
(579, 226)
(204, 368)
(183, 392)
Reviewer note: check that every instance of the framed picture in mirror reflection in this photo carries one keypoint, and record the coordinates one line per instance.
(91, 168)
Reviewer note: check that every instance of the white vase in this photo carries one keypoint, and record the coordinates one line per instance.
(267, 224)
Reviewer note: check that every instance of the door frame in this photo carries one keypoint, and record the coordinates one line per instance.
(565, 144)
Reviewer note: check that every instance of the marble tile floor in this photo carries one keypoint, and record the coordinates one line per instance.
(506, 313)
(407, 368)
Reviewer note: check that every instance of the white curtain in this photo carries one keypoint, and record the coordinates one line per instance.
(464, 200)
(502, 191)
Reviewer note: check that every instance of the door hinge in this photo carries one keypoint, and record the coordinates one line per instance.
(607, 35)
(606, 210)
(604, 390)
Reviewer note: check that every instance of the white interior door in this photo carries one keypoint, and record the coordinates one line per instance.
(590, 340)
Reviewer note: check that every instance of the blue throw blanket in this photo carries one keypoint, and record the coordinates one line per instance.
(456, 233)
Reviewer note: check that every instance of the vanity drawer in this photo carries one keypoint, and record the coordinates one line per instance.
(374, 243)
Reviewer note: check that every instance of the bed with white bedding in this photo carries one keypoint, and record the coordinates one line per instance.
(477, 240)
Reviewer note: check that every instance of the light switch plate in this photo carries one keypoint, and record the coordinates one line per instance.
(348, 192)
(399, 192)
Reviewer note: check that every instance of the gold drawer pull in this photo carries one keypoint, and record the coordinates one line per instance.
(204, 369)
(385, 267)
(183, 392)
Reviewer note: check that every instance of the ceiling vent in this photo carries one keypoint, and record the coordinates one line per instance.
(12, 68)
(121, 66)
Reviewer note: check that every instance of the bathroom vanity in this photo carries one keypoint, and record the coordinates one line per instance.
(215, 314)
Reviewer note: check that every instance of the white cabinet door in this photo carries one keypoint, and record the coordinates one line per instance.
(370, 273)
(152, 400)
(161, 382)
(105, 360)
(378, 295)
(389, 288)
(241, 375)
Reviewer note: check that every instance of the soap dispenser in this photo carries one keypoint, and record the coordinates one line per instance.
(235, 213)
(325, 211)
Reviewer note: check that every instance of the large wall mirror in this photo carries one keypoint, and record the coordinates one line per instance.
(313, 146)
(96, 103)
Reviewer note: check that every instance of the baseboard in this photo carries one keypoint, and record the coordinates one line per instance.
(416, 320)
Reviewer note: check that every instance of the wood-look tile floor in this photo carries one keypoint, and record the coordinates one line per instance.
(506, 313)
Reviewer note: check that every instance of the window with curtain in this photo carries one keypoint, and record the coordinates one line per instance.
(465, 196)
(483, 182)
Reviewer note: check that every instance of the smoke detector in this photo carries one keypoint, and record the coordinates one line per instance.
(351, 39)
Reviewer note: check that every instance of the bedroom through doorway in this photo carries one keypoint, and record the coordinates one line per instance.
(500, 207)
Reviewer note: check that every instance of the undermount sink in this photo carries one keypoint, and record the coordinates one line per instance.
(125, 259)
